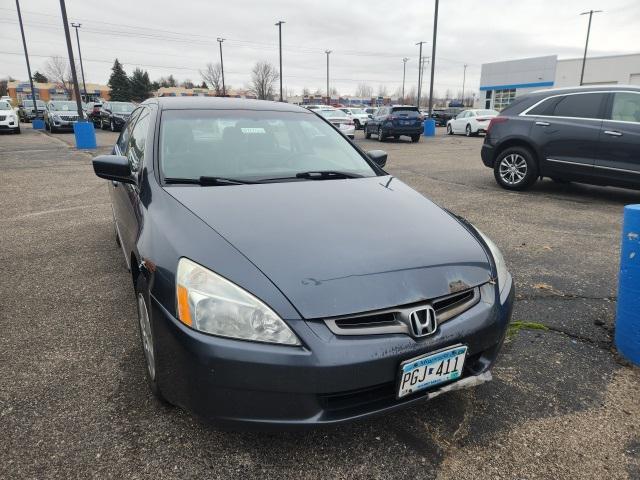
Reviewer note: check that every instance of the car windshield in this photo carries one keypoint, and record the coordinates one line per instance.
(252, 145)
(332, 113)
(357, 111)
(481, 113)
(122, 107)
(64, 106)
(5, 105)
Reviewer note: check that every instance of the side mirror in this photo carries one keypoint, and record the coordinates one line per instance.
(113, 167)
(379, 157)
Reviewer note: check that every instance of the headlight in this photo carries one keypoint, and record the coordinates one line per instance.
(501, 266)
(211, 304)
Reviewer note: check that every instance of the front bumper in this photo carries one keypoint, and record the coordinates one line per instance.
(331, 379)
(63, 124)
(9, 124)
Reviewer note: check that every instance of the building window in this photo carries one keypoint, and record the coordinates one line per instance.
(503, 98)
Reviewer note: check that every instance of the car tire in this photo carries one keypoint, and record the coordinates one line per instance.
(112, 126)
(396, 137)
(449, 129)
(415, 138)
(17, 130)
(147, 341)
(367, 133)
(515, 168)
(357, 124)
(380, 134)
(102, 125)
(467, 131)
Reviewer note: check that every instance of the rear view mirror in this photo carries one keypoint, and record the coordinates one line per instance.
(113, 167)
(379, 157)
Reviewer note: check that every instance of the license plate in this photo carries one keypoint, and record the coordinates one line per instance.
(430, 370)
(406, 122)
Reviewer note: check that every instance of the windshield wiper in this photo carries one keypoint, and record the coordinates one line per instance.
(326, 175)
(208, 181)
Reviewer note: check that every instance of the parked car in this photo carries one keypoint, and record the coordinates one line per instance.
(583, 134)
(439, 115)
(92, 111)
(60, 115)
(9, 119)
(26, 112)
(340, 120)
(276, 283)
(371, 111)
(359, 116)
(113, 115)
(395, 121)
(471, 122)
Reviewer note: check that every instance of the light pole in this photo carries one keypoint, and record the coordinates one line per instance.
(328, 93)
(433, 57)
(586, 44)
(84, 85)
(404, 74)
(464, 77)
(279, 25)
(72, 63)
(26, 56)
(419, 72)
(224, 92)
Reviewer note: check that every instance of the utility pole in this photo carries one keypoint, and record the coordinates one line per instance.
(404, 74)
(279, 25)
(84, 85)
(586, 44)
(464, 78)
(433, 57)
(328, 93)
(72, 63)
(419, 73)
(224, 92)
(26, 56)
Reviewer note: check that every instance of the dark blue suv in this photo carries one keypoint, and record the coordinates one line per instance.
(394, 121)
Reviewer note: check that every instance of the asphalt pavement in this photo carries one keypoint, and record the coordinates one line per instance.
(73, 397)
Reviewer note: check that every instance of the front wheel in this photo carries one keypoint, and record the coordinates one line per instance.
(515, 169)
(380, 134)
(415, 138)
(449, 129)
(367, 133)
(17, 130)
(112, 126)
(357, 124)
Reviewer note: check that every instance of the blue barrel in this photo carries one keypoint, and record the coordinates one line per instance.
(85, 135)
(37, 124)
(628, 310)
(429, 127)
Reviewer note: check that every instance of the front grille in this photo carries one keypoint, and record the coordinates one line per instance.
(395, 320)
(69, 118)
(3, 118)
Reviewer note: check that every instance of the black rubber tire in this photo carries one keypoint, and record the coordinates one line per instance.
(531, 174)
(17, 130)
(143, 289)
(380, 134)
(112, 126)
(415, 138)
(357, 124)
(467, 131)
(396, 137)
(449, 129)
(102, 125)
(367, 133)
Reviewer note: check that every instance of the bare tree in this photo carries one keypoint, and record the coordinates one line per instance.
(364, 91)
(263, 77)
(306, 92)
(58, 71)
(382, 91)
(410, 96)
(212, 75)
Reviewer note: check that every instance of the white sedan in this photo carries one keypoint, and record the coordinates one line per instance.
(359, 116)
(471, 122)
(340, 120)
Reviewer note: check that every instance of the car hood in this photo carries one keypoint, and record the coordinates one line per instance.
(337, 247)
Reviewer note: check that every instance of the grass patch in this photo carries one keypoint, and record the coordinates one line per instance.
(515, 327)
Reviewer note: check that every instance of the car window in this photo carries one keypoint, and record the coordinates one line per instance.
(410, 112)
(123, 140)
(137, 140)
(583, 105)
(4, 105)
(252, 145)
(626, 107)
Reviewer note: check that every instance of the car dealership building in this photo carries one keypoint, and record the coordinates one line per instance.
(501, 82)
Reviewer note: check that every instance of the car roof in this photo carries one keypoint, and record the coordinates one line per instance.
(587, 88)
(222, 103)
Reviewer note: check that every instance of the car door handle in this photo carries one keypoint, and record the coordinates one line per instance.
(543, 124)
(613, 133)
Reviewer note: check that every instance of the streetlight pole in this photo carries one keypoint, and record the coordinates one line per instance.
(26, 56)
(328, 93)
(224, 92)
(586, 44)
(404, 74)
(419, 72)
(72, 63)
(84, 85)
(279, 25)
(464, 78)
(433, 57)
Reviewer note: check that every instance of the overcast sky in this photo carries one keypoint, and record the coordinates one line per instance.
(368, 39)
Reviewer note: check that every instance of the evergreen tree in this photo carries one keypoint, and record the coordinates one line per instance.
(204, 85)
(140, 85)
(119, 84)
(39, 78)
(171, 82)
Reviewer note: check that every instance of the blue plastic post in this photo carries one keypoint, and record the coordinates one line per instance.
(85, 135)
(429, 127)
(628, 311)
(37, 124)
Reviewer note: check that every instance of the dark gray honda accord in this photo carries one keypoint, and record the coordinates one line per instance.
(283, 278)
